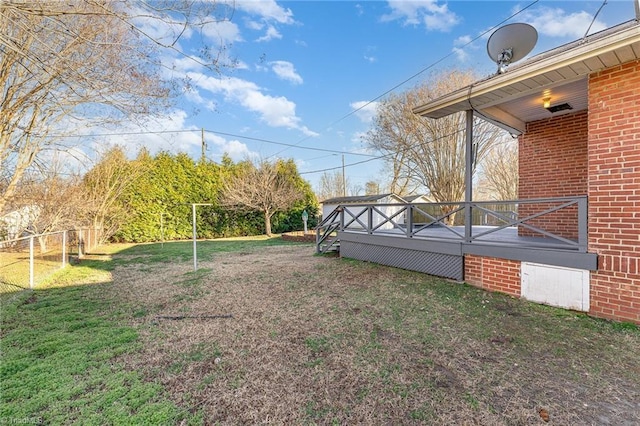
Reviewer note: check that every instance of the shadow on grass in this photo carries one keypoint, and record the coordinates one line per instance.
(332, 340)
(62, 344)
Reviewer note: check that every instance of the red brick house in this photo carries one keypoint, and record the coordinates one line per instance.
(575, 230)
(592, 149)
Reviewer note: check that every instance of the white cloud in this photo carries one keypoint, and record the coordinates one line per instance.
(270, 34)
(275, 111)
(267, 13)
(156, 141)
(462, 40)
(365, 110)
(430, 13)
(237, 150)
(155, 133)
(222, 32)
(300, 163)
(254, 25)
(459, 46)
(286, 71)
(461, 55)
(195, 97)
(241, 65)
(168, 133)
(358, 137)
(158, 28)
(369, 55)
(556, 22)
(267, 9)
(72, 159)
(184, 64)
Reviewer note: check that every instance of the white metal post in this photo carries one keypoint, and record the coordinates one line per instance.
(80, 243)
(31, 268)
(64, 249)
(195, 253)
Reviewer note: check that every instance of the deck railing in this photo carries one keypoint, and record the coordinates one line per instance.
(559, 222)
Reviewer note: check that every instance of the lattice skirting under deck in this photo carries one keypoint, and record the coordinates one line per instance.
(439, 264)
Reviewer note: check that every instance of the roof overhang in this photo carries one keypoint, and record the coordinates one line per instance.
(514, 98)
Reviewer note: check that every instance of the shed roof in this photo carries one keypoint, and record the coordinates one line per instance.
(411, 198)
(359, 198)
(514, 98)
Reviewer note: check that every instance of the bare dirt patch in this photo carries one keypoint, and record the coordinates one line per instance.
(279, 335)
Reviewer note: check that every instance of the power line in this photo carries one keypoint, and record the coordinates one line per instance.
(296, 145)
(216, 132)
(333, 151)
(594, 19)
(413, 76)
(380, 157)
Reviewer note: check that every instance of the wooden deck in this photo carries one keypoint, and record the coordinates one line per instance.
(489, 234)
(379, 233)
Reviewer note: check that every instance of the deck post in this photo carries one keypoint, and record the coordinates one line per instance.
(468, 176)
(409, 213)
(583, 224)
(31, 262)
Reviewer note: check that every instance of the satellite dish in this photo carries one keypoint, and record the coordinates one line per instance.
(511, 43)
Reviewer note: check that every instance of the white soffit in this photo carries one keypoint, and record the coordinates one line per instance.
(515, 97)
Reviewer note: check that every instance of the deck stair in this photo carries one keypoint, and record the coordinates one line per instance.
(327, 232)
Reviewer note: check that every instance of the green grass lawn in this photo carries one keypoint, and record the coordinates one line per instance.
(60, 350)
(61, 345)
(268, 331)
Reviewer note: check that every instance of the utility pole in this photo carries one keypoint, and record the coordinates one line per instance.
(344, 179)
(204, 146)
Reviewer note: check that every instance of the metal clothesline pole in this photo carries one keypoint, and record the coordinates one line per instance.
(195, 250)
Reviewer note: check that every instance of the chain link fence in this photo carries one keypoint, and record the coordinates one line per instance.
(26, 262)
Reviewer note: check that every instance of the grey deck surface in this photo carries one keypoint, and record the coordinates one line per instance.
(505, 236)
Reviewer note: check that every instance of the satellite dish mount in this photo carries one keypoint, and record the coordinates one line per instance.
(511, 43)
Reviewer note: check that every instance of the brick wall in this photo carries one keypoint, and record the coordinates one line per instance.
(493, 274)
(553, 163)
(614, 191)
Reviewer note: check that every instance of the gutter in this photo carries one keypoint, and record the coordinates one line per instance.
(552, 60)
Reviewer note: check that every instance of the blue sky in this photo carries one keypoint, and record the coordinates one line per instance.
(303, 67)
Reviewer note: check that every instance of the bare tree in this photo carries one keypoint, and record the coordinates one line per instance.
(500, 171)
(332, 185)
(428, 152)
(372, 188)
(79, 61)
(103, 189)
(57, 198)
(265, 187)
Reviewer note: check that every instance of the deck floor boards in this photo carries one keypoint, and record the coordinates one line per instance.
(506, 236)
